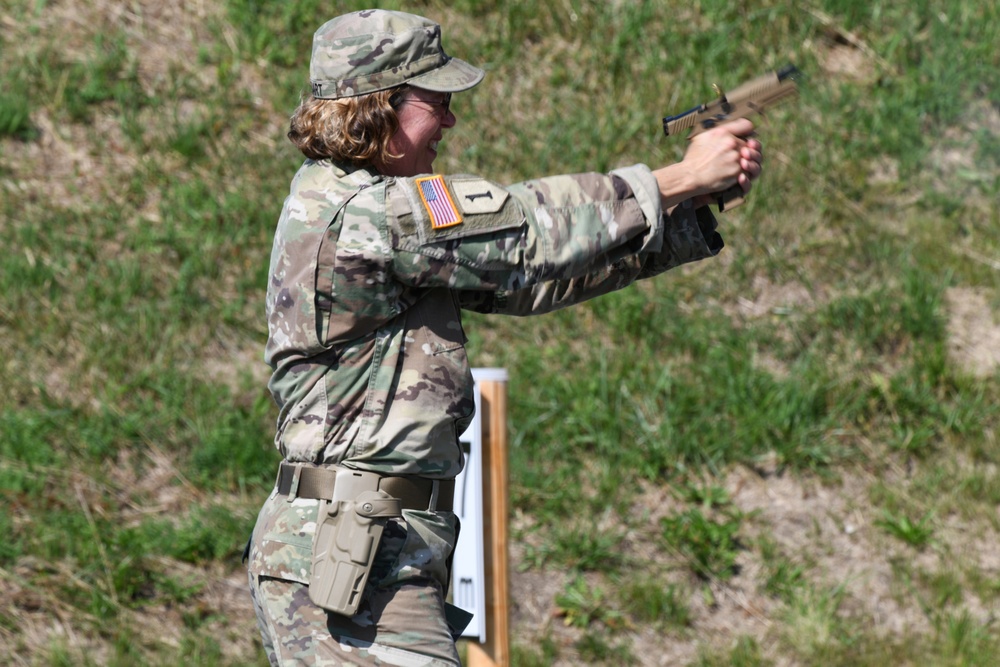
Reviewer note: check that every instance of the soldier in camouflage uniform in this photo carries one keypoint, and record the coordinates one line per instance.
(374, 259)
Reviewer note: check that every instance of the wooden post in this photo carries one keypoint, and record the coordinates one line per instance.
(495, 652)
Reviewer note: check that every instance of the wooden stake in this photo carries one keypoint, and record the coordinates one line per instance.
(495, 652)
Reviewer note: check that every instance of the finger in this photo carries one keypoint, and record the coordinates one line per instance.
(749, 152)
(741, 127)
(755, 161)
(744, 182)
(751, 174)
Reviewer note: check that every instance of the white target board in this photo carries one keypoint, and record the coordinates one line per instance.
(468, 570)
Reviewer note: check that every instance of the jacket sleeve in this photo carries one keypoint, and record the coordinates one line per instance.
(689, 235)
(467, 233)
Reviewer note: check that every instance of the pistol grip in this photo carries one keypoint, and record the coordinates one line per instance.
(730, 198)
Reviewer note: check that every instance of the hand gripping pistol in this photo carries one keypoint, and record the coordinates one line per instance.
(748, 99)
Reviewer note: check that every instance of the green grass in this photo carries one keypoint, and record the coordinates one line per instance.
(915, 532)
(655, 603)
(745, 653)
(142, 167)
(15, 110)
(709, 546)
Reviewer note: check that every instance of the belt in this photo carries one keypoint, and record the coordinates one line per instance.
(414, 493)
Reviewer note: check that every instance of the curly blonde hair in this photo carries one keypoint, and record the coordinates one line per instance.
(355, 130)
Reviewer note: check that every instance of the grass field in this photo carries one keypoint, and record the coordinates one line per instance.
(787, 455)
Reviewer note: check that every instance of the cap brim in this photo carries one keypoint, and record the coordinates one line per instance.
(456, 75)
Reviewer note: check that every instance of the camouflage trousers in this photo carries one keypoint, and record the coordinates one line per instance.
(401, 619)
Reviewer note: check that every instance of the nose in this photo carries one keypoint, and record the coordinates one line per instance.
(449, 119)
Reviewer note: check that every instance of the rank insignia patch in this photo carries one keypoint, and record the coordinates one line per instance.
(438, 202)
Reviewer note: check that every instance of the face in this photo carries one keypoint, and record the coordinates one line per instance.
(423, 116)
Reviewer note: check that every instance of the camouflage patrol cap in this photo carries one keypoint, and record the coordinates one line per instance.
(371, 50)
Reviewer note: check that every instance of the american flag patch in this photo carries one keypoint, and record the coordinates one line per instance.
(438, 202)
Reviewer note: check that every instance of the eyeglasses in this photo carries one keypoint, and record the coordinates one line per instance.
(445, 104)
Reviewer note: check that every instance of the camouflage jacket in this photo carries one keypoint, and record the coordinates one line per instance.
(369, 275)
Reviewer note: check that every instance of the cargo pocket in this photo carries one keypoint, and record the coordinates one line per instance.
(281, 546)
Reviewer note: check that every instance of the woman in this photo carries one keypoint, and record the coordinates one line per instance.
(374, 258)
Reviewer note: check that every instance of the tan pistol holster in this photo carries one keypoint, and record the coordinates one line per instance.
(353, 510)
(348, 531)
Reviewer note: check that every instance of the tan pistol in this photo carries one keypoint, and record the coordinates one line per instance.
(749, 99)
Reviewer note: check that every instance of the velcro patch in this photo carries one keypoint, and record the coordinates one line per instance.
(478, 196)
(438, 202)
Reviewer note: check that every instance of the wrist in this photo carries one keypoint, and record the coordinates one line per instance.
(676, 184)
